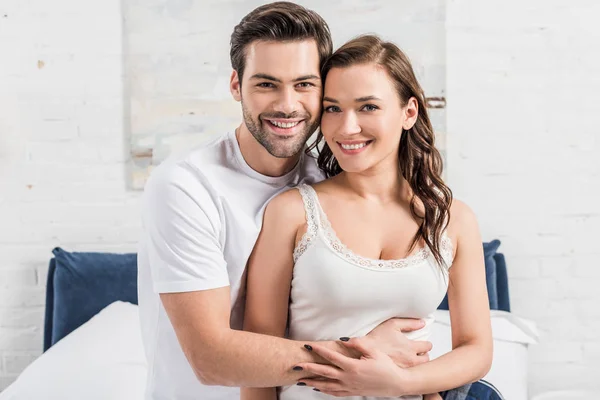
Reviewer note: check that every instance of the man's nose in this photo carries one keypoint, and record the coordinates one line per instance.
(287, 101)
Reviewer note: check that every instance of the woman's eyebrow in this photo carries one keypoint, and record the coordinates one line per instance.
(366, 98)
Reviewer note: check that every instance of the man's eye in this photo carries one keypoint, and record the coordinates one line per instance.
(332, 109)
(305, 85)
(265, 85)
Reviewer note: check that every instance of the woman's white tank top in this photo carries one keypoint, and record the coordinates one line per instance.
(336, 292)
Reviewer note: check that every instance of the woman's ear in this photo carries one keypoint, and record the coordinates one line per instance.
(411, 113)
(235, 86)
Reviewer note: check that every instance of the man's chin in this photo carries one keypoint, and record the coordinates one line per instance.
(284, 150)
(284, 153)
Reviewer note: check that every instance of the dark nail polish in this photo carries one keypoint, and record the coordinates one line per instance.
(344, 339)
(308, 347)
(316, 390)
(297, 368)
(301, 384)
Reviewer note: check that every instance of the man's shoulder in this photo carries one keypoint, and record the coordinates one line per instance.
(190, 174)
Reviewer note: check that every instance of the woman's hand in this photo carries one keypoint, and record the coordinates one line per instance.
(374, 374)
(390, 338)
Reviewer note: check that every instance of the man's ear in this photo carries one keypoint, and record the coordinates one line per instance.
(235, 86)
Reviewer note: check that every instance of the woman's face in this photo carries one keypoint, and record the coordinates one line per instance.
(363, 117)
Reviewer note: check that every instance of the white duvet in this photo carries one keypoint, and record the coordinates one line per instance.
(101, 360)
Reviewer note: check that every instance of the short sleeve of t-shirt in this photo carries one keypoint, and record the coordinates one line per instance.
(181, 232)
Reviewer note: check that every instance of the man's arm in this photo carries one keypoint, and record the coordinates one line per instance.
(222, 356)
(182, 243)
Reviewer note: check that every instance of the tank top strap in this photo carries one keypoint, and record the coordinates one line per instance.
(311, 208)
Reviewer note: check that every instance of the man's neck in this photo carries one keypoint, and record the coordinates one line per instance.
(259, 159)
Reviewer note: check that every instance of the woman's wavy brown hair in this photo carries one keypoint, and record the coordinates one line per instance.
(419, 160)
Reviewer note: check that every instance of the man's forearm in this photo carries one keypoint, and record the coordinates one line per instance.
(246, 359)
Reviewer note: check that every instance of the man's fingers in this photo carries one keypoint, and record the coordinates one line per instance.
(408, 324)
(326, 371)
(422, 346)
(421, 359)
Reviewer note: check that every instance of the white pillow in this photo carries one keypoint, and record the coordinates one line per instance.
(102, 359)
(512, 335)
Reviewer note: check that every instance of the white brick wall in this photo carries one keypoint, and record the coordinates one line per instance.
(62, 154)
(522, 117)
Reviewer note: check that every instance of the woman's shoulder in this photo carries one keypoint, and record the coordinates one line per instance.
(286, 208)
(462, 219)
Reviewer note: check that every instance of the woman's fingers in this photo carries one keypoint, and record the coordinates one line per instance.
(335, 358)
(326, 371)
(323, 386)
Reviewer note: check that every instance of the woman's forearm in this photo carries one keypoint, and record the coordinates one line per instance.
(465, 364)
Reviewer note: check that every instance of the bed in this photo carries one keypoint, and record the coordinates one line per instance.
(92, 344)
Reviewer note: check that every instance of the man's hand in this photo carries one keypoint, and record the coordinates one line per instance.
(389, 338)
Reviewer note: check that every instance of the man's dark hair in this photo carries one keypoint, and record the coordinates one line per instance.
(280, 21)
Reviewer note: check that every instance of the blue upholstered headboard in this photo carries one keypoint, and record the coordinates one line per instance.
(80, 285)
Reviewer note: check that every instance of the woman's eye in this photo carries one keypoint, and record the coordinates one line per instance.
(332, 109)
(370, 107)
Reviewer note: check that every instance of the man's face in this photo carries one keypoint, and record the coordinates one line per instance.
(280, 94)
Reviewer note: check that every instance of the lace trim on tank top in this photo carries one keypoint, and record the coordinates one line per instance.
(311, 221)
(316, 218)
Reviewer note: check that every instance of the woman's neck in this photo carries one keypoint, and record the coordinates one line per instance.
(381, 184)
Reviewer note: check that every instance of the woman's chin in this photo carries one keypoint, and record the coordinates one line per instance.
(354, 168)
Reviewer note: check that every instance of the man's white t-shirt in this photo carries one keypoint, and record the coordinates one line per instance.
(201, 216)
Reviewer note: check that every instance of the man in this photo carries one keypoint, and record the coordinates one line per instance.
(202, 215)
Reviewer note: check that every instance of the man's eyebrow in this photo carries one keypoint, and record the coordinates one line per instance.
(306, 78)
(272, 78)
(265, 76)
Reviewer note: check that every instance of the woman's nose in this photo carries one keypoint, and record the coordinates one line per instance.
(350, 124)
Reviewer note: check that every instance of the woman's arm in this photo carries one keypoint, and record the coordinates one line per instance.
(270, 274)
(471, 356)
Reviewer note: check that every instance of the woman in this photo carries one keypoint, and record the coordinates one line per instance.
(376, 240)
